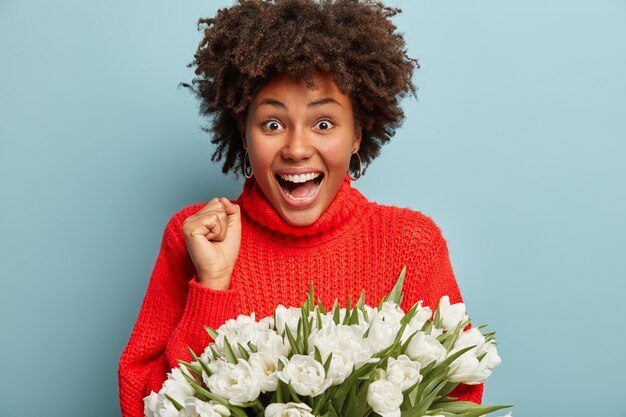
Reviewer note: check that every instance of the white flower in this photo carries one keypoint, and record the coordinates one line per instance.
(270, 342)
(306, 375)
(349, 349)
(287, 317)
(176, 386)
(237, 383)
(425, 349)
(288, 410)
(467, 368)
(385, 398)
(246, 329)
(451, 315)
(265, 367)
(157, 405)
(422, 315)
(403, 372)
(384, 326)
(195, 407)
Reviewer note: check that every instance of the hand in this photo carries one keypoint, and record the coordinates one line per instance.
(213, 236)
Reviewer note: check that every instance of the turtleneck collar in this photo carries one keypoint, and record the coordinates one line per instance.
(344, 211)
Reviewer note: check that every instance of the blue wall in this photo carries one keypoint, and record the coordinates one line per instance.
(516, 148)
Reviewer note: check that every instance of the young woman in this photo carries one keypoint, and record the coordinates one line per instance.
(301, 96)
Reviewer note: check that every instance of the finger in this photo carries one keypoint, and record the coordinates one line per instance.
(215, 204)
(208, 225)
(229, 207)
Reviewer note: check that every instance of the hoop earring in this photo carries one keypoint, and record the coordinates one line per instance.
(247, 167)
(358, 174)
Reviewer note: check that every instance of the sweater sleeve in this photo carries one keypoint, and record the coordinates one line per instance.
(435, 281)
(172, 317)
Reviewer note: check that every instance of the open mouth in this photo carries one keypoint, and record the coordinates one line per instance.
(299, 187)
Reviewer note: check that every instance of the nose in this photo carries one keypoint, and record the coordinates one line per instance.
(297, 146)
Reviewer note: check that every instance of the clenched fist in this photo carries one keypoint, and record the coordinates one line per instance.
(213, 236)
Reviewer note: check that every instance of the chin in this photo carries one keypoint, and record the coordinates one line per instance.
(300, 219)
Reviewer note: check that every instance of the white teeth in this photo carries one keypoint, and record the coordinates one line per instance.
(300, 178)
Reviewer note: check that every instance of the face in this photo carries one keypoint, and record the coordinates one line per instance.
(299, 142)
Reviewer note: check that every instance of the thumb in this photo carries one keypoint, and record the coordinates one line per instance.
(233, 211)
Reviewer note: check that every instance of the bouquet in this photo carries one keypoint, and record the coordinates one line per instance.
(357, 361)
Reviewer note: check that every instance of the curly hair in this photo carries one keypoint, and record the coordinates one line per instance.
(246, 45)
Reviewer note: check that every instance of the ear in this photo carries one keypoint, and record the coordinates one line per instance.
(245, 142)
(356, 144)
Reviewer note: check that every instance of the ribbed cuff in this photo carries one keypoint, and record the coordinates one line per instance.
(207, 307)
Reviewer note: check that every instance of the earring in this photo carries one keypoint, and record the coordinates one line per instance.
(360, 172)
(247, 167)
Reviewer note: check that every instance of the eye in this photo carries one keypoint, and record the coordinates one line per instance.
(272, 125)
(325, 124)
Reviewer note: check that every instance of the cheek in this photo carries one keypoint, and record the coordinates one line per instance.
(338, 154)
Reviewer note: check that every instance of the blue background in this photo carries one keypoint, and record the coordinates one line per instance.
(516, 148)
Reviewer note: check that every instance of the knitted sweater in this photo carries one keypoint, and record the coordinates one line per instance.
(354, 245)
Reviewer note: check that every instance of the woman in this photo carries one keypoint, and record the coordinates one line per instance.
(302, 94)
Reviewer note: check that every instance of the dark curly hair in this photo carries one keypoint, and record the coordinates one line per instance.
(246, 45)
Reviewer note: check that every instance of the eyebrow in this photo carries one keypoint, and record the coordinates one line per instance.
(281, 105)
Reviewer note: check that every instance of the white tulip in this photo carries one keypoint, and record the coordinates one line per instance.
(451, 315)
(265, 367)
(349, 349)
(425, 349)
(422, 314)
(176, 386)
(468, 370)
(237, 383)
(403, 372)
(287, 317)
(384, 326)
(385, 398)
(157, 405)
(306, 375)
(270, 342)
(195, 407)
(288, 410)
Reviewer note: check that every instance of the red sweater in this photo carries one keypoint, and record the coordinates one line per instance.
(354, 245)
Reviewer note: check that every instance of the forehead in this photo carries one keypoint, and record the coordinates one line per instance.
(290, 90)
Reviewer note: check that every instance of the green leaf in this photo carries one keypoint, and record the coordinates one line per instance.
(330, 410)
(437, 317)
(395, 296)
(229, 352)
(427, 327)
(243, 351)
(336, 315)
(214, 352)
(211, 332)
(252, 347)
(176, 403)
(292, 342)
(467, 408)
(204, 366)
(346, 318)
(443, 366)
(319, 319)
(311, 298)
(361, 301)
(206, 395)
(354, 317)
(293, 393)
(327, 363)
(320, 306)
(317, 355)
(194, 369)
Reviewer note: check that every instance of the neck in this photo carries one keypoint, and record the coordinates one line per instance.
(343, 211)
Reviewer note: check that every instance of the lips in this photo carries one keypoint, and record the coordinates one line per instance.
(299, 189)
